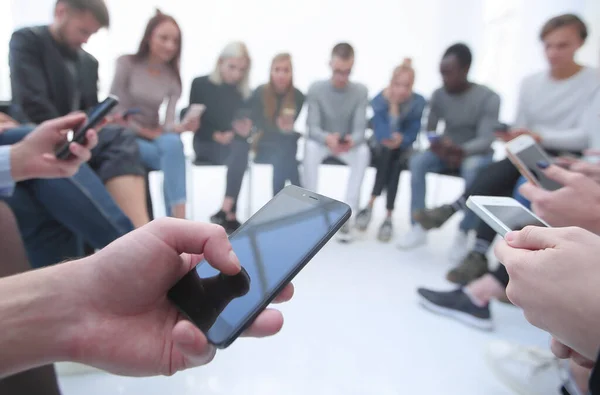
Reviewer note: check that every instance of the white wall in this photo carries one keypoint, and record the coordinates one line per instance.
(502, 33)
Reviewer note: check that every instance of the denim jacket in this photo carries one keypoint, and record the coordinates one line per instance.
(409, 121)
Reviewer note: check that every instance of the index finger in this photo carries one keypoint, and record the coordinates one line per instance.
(532, 192)
(198, 238)
(67, 122)
(560, 175)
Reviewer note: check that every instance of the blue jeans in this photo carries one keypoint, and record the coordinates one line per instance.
(428, 162)
(517, 196)
(166, 153)
(56, 216)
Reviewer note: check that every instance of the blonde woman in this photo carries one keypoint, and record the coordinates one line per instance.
(275, 108)
(222, 138)
(396, 124)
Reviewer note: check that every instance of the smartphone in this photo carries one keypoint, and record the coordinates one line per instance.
(503, 214)
(525, 153)
(95, 116)
(273, 246)
(130, 112)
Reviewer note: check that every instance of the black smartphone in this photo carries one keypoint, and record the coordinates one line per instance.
(343, 138)
(95, 116)
(273, 246)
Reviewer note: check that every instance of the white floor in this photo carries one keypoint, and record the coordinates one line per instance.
(354, 326)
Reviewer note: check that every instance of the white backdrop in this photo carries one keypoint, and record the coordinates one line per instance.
(502, 34)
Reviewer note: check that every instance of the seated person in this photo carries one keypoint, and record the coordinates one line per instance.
(222, 138)
(336, 127)
(143, 81)
(398, 112)
(275, 107)
(470, 112)
(56, 216)
(26, 160)
(51, 76)
(554, 108)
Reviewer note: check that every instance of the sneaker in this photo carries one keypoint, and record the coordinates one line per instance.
(345, 234)
(386, 231)
(460, 247)
(363, 219)
(457, 304)
(471, 268)
(415, 238)
(219, 218)
(434, 218)
(231, 225)
(526, 370)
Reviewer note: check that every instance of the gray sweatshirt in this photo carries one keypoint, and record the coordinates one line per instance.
(556, 110)
(470, 117)
(332, 110)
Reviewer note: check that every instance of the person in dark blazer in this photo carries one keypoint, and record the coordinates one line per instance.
(51, 76)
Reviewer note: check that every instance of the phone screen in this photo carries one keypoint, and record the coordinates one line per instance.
(272, 247)
(530, 156)
(514, 217)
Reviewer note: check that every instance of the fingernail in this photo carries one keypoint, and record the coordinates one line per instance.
(233, 258)
(542, 164)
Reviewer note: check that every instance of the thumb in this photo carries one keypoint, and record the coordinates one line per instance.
(57, 125)
(533, 238)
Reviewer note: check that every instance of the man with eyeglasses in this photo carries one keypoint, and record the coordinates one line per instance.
(336, 128)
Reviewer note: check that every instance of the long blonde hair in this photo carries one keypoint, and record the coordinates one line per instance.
(270, 96)
(405, 67)
(235, 49)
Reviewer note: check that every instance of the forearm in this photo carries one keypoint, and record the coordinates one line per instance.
(317, 134)
(479, 145)
(38, 318)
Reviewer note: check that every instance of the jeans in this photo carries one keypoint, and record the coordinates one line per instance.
(166, 153)
(280, 151)
(390, 164)
(56, 216)
(517, 195)
(358, 158)
(428, 162)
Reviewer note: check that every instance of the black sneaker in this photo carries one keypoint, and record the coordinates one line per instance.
(456, 304)
(231, 226)
(435, 217)
(219, 218)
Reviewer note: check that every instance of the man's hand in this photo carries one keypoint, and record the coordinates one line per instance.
(345, 145)
(285, 123)
(395, 142)
(554, 277)
(242, 127)
(34, 156)
(223, 138)
(6, 122)
(333, 142)
(448, 152)
(126, 323)
(577, 203)
(563, 352)
(514, 133)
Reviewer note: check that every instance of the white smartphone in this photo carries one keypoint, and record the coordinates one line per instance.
(525, 153)
(193, 112)
(503, 214)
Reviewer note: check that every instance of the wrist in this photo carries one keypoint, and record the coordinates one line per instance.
(19, 166)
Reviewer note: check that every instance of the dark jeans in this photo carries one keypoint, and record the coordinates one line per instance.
(234, 156)
(57, 216)
(38, 381)
(280, 151)
(390, 164)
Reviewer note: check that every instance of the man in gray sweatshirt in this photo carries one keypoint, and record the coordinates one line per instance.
(470, 112)
(336, 127)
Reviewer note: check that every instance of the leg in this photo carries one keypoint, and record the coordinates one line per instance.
(420, 165)
(236, 168)
(15, 135)
(383, 160)
(469, 171)
(398, 163)
(117, 162)
(36, 381)
(358, 158)
(518, 196)
(314, 154)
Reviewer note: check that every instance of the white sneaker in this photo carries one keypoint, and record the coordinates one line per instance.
(526, 370)
(346, 233)
(460, 248)
(416, 237)
(73, 369)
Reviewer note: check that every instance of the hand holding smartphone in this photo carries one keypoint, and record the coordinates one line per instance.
(272, 246)
(503, 214)
(193, 113)
(525, 154)
(95, 117)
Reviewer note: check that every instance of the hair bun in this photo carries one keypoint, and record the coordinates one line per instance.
(407, 62)
(158, 12)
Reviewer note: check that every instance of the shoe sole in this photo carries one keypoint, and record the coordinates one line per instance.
(345, 239)
(411, 247)
(507, 379)
(478, 323)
